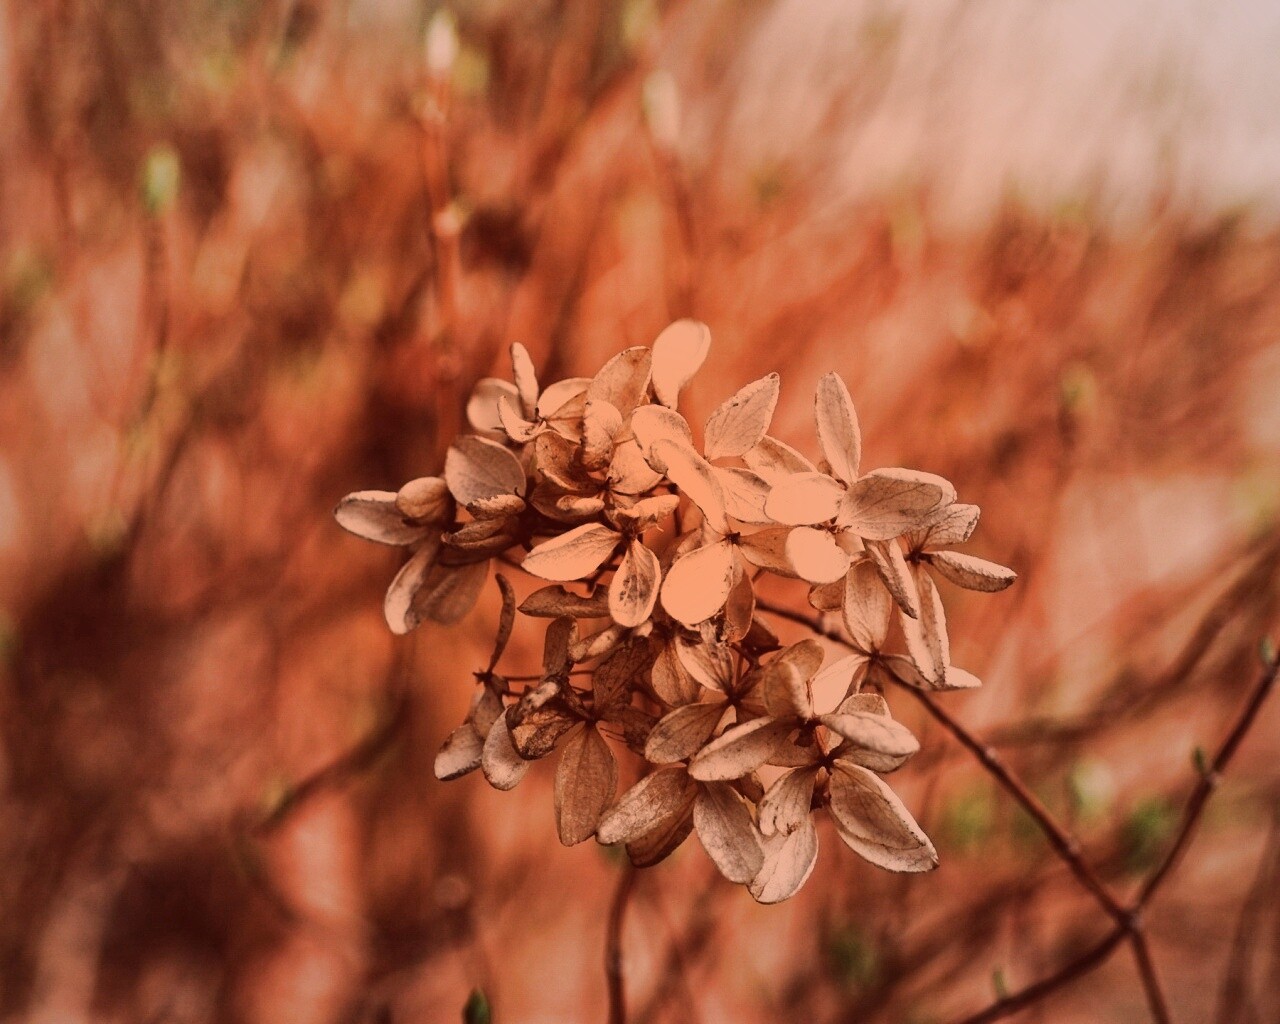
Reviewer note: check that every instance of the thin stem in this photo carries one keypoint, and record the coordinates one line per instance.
(1209, 781)
(1086, 963)
(613, 974)
(1156, 1000)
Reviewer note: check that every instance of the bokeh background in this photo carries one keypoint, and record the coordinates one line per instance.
(253, 254)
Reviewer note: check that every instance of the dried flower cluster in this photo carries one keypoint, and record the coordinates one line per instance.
(599, 482)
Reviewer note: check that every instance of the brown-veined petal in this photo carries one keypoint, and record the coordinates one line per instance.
(629, 473)
(740, 750)
(623, 381)
(375, 516)
(873, 822)
(449, 592)
(708, 664)
(693, 476)
(698, 583)
(678, 353)
(806, 657)
(788, 863)
(476, 468)
(926, 635)
(896, 575)
(683, 732)
(600, 425)
(787, 803)
(767, 549)
(739, 608)
(670, 679)
(742, 420)
(775, 460)
(785, 691)
(744, 493)
(565, 399)
(660, 796)
(727, 832)
(867, 606)
(815, 556)
(646, 513)
(634, 589)
(905, 671)
(838, 431)
(955, 526)
(844, 674)
(500, 506)
(586, 778)
(554, 601)
(572, 555)
(888, 503)
(662, 841)
(804, 499)
(617, 675)
(869, 731)
(970, 572)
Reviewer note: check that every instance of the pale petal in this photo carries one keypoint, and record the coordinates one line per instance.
(804, 499)
(739, 608)
(500, 506)
(670, 679)
(815, 556)
(514, 425)
(873, 822)
(785, 691)
(970, 572)
(482, 406)
(623, 381)
(741, 421)
(502, 764)
(888, 503)
(449, 592)
(867, 607)
(877, 733)
(727, 832)
(786, 804)
(788, 863)
(678, 353)
(476, 468)
(629, 473)
(397, 606)
(895, 575)
(954, 527)
(683, 732)
(744, 492)
(459, 755)
(601, 422)
(838, 431)
(426, 499)
(634, 588)
(775, 460)
(926, 635)
(905, 671)
(647, 512)
(708, 664)
(586, 778)
(554, 458)
(526, 380)
(654, 423)
(375, 516)
(698, 583)
(572, 555)
(693, 476)
(554, 601)
(564, 398)
(664, 794)
(767, 549)
(806, 657)
(841, 674)
(741, 750)
(662, 841)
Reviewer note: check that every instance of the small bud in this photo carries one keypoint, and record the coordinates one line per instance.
(1199, 761)
(161, 175)
(998, 984)
(1267, 651)
(477, 1009)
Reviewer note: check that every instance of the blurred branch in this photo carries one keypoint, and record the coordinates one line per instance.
(1128, 919)
(1235, 995)
(613, 974)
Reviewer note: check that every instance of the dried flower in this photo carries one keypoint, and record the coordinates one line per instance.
(652, 640)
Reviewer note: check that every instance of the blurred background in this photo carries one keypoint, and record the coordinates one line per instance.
(253, 255)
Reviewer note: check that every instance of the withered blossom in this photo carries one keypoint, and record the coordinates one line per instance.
(645, 545)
